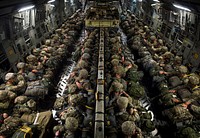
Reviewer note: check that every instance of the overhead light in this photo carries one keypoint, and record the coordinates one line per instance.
(155, 4)
(52, 5)
(26, 8)
(50, 1)
(181, 7)
(156, 0)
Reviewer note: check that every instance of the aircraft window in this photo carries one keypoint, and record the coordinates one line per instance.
(17, 24)
(19, 48)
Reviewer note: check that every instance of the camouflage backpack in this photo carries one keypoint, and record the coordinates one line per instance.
(174, 81)
(133, 75)
(23, 132)
(178, 114)
(11, 124)
(36, 89)
(135, 90)
(187, 132)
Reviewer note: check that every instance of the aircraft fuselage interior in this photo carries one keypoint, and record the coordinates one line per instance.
(99, 69)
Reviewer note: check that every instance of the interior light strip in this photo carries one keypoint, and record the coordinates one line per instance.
(181, 7)
(26, 8)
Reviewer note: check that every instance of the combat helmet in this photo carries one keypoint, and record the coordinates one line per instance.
(31, 58)
(183, 69)
(86, 50)
(82, 64)
(194, 79)
(83, 74)
(72, 88)
(115, 62)
(85, 56)
(48, 42)
(71, 124)
(9, 76)
(36, 51)
(117, 86)
(75, 99)
(128, 128)
(160, 41)
(115, 57)
(122, 102)
(152, 38)
(119, 70)
(21, 65)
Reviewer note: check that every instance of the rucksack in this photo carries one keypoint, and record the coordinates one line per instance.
(23, 132)
(135, 90)
(41, 120)
(174, 81)
(36, 89)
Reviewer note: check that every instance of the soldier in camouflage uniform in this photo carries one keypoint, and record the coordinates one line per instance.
(21, 66)
(88, 122)
(71, 125)
(129, 129)
(190, 102)
(15, 83)
(24, 105)
(58, 131)
(34, 67)
(123, 115)
(6, 99)
(10, 125)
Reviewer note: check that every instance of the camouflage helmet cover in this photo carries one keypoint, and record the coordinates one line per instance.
(115, 57)
(71, 124)
(119, 70)
(153, 37)
(115, 62)
(85, 56)
(183, 69)
(31, 58)
(21, 65)
(72, 88)
(47, 42)
(83, 74)
(117, 86)
(122, 102)
(128, 128)
(9, 76)
(194, 79)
